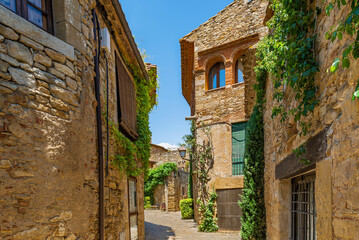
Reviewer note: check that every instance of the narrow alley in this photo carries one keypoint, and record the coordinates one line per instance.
(169, 225)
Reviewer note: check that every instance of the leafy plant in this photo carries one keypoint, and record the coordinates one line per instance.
(203, 157)
(186, 206)
(208, 221)
(157, 176)
(190, 143)
(147, 202)
(348, 25)
(132, 157)
(252, 199)
(287, 54)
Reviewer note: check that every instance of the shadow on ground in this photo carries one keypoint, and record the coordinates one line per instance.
(158, 232)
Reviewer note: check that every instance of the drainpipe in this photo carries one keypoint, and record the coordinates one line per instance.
(99, 130)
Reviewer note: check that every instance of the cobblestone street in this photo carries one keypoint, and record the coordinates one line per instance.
(162, 226)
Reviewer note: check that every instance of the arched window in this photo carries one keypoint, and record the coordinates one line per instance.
(238, 71)
(217, 76)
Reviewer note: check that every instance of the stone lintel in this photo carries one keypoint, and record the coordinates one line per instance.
(315, 148)
(229, 182)
(35, 33)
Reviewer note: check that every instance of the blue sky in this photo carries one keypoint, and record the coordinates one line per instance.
(157, 26)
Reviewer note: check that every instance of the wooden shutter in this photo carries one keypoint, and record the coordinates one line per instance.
(238, 147)
(126, 96)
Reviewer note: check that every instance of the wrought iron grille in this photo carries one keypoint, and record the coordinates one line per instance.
(237, 163)
(303, 213)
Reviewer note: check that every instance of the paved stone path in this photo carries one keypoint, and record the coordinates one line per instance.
(169, 226)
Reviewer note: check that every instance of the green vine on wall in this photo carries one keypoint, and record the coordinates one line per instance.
(348, 25)
(157, 176)
(132, 157)
(287, 54)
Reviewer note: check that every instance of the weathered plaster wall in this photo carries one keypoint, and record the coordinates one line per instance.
(337, 174)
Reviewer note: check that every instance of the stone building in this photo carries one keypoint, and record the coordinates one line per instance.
(161, 155)
(217, 61)
(329, 187)
(176, 184)
(58, 85)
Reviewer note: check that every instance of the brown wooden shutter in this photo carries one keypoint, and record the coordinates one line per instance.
(126, 96)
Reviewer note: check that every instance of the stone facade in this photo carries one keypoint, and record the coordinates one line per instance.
(161, 155)
(334, 124)
(176, 184)
(174, 190)
(229, 36)
(49, 166)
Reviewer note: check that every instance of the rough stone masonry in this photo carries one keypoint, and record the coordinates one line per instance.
(49, 186)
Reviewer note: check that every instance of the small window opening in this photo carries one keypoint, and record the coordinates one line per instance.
(238, 72)
(217, 76)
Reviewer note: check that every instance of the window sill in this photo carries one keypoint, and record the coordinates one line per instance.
(237, 84)
(30, 30)
(216, 89)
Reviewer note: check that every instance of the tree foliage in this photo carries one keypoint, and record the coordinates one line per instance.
(157, 176)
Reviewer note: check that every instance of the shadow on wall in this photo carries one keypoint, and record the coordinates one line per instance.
(158, 232)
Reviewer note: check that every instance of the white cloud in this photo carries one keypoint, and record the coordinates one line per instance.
(168, 146)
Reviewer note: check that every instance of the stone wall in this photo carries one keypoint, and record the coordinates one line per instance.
(48, 141)
(47, 109)
(238, 20)
(171, 192)
(337, 173)
(161, 155)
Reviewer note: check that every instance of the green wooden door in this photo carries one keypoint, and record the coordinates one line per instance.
(238, 147)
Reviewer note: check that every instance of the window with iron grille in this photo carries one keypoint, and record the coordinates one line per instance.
(303, 212)
(238, 147)
(126, 96)
(39, 12)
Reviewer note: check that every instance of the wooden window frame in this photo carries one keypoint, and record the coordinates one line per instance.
(127, 121)
(46, 11)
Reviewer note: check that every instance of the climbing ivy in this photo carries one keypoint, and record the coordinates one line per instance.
(156, 176)
(287, 54)
(348, 25)
(208, 222)
(127, 153)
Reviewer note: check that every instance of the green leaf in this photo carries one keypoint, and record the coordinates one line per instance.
(345, 63)
(334, 66)
(347, 51)
(356, 94)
